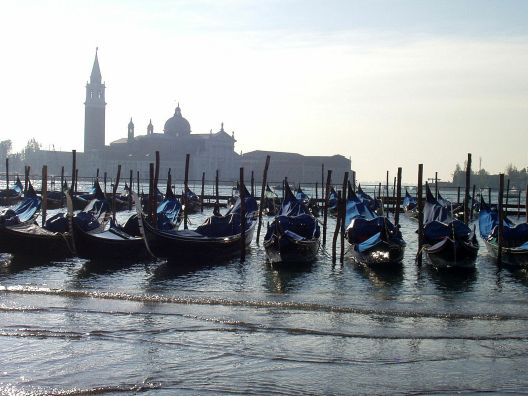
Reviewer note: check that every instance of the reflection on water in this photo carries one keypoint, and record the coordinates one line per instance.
(453, 279)
(282, 278)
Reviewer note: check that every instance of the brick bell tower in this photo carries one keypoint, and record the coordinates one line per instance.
(94, 110)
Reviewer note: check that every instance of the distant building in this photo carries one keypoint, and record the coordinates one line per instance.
(208, 151)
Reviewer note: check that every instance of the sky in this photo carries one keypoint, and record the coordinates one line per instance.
(386, 83)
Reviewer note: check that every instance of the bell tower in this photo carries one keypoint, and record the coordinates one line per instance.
(94, 110)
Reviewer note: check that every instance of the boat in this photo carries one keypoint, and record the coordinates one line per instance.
(307, 201)
(125, 242)
(410, 206)
(192, 203)
(447, 241)
(515, 237)
(218, 238)
(293, 236)
(374, 239)
(271, 204)
(332, 202)
(11, 196)
(374, 204)
(24, 212)
(26, 237)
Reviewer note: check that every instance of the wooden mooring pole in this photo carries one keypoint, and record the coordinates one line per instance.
(44, 193)
(217, 182)
(325, 209)
(242, 217)
(436, 185)
(343, 214)
(466, 191)
(507, 197)
(185, 188)
(501, 219)
(7, 173)
(398, 198)
(262, 193)
(114, 191)
(203, 192)
(471, 210)
(337, 227)
(62, 186)
(252, 184)
(151, 208)
(419, 204)
(131, 180)
(74, 167)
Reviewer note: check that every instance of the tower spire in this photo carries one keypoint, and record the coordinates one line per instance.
(95, 77)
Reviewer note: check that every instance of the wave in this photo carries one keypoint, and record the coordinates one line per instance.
(287, 305)
(16, 390)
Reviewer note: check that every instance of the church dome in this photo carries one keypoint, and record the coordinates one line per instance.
(177, 125)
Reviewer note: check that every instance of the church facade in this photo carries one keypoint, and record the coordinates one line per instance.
(209, 152)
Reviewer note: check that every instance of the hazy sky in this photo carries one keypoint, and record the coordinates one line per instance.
(387, 83)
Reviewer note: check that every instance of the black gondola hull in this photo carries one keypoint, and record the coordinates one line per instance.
(31, 240)
(383, 255)
(284, 250)
(187, 246)
(513, 257)
(450, 253)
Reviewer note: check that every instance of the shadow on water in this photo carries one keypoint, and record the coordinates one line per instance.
(282, 278)
(452, 279)
(172, 269)
(13, 264)
(104, 266)
(381, 277)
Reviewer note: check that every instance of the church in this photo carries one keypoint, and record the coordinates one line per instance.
(209, 152)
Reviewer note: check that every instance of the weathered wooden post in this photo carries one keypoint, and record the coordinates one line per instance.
(394, 196)
(353, 181)
(97, 174)
(76, 180)
(322, 182)
(25, 179)
(519, 205)
(7, 173)
(458, 195)
(386, 200)
(471, 210)
(526, 204)
(398, 198)
(151, 207)
(114, 191)
(44, 193)
(156, 178)
(436, 185)
(501, 218)
(62, 186)
(185, 188)
(242, 217)
(489, 195)
(466, 191)
(419, 204)
(131, 180)
(74, 167)
(203, 192)
(216, 189)
(343, 215)
(105, 179)
(337, 227)
(262, 193)
(326, 198)
(507, 197)
(252, 184)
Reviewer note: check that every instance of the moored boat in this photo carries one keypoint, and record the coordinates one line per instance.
(448, 242)
(515, 236)
(375, 240)
(293, 236)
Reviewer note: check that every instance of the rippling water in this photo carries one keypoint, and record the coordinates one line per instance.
(76, 327)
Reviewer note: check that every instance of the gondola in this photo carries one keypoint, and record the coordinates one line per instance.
(374, 204)
(24, 212)
(375, 240)
(410, 206)
(11, 196)
(293, 236)
(125, 242)
(332, 202)
(218, 238)
(192, 205)
(28, 238)
(515, 237)
(271, 204)
(448, 242)
(308, 201)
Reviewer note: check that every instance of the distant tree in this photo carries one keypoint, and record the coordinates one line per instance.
(5, 148)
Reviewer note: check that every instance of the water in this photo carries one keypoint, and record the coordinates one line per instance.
(76, 327)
